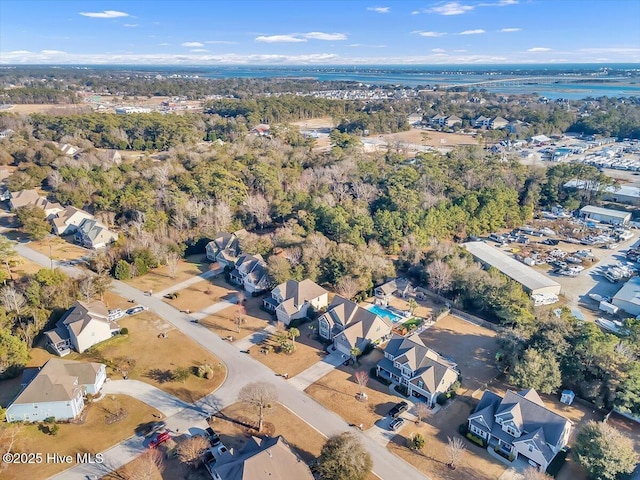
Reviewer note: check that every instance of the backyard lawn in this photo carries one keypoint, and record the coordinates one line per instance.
(93, 436)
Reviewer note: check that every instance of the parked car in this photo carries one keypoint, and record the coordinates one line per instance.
(214, 439)
(134, 310)
(550, 241)
(396, 424)
(159, 439)
(398, 409)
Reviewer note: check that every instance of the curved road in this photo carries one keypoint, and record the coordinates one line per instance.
(241, 369)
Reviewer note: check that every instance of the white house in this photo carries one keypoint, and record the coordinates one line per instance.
(84, 325)
(292, 299)
(251, 273)
(521, 426)
(56, 390)
(349, 326)
(90, 233)
(424, 372)
(68, 220)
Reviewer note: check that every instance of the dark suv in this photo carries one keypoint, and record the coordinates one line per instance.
(214, 439)
(398, 409)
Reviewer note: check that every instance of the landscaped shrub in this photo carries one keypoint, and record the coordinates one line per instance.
(124, 331)
(441, 399)
(181, 374)
(463, 428)
(475, 439)
(368, 349)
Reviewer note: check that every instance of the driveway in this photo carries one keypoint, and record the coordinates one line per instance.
(153, 396)
(241, 369)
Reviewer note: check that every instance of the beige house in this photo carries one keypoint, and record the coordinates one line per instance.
(56, 390)
(291, 300)
(68, 220)
(92, 234)
(25, 198)
(84, 325)
(351, 326)
(225, 248)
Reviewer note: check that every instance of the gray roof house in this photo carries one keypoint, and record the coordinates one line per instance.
(90, 233)
(385, 292)
(520, 425)
(423, 371)
(261, 458)
(251, 273)
(56, 390)
(25, 198)
(350, 325)
(82, 326)
(291, 300)
(68, 220)
(224, 248)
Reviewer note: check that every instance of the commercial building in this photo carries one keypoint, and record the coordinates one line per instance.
(628, 298)
(606, 215)
(533, 282)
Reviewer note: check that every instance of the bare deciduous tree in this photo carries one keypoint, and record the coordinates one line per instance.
(440, 275)
(258, 207)
(173, 260)
(54, 179)
(293, 254)
(455, 451)
(146, 467)
(222, 216)
(364, 191)
(260, 395)
(362, 378)
(86, 287)
(534, 474)
(348, 287)
(422, 411)
(190, 450)
(12, 299)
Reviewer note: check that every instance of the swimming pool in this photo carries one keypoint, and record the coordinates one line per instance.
(385, 313)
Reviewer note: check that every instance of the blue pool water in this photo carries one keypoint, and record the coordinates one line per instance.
(384, 313)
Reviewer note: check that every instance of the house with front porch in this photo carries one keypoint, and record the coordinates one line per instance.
(351, 326)
(57, 390)
(251, 273)
(385, 292)
(520, 425)
(291, 300)
(423, 371)
(224, 248)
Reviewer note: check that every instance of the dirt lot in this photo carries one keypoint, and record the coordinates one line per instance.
(46, 108)
(92, 436)
(60, 248)
(471, 346)
(254, 319)
(337, 391)
(430, 137)
(308, 352)
(159, 278)
(476, 463)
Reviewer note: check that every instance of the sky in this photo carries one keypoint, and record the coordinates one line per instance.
(335, 32)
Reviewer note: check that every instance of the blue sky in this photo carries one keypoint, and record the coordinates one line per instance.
(319, 32)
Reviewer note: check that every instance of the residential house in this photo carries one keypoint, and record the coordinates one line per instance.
(414, 119)
(438, 120)
(25, 198)
(84, 325)
(251, 272)
(56, 390)
(520, 425)
(90, 233)
(498, 123)
(68, 220)
(349, 326)
(517, 127)
(482, 122)
(225, 248)
(291, 300)
(385, 292)
(111, 156)
(261, 458)
(68, 149)
(6, 133)
(261, 130)
(452, 120)
(423, 371)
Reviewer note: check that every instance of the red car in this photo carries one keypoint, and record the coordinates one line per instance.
(161, 438)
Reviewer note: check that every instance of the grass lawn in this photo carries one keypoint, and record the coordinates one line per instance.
(60, 248)
(337, 391)
(308, 352)
(23, 267)
(92, 436)
(222, 323)
(201, 295)
(432, 460)
(159, 279)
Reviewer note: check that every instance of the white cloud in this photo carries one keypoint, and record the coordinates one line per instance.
(438, 50)
(131, 25)
(52, 52)
(357, 45)
(477, 31)
(324, 36)
(499, 3)
(379, 9)
(164, 44)
(610, 50)
(451, 8)
(539, 49)
(220, 42)
(19, 52)
(509, 30)
(104, 14)
(192, 44)
(279, 39)
(429, 34)
(199, 50)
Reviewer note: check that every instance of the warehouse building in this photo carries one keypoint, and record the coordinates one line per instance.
(535, 283)
(606, 215)
(628, 298)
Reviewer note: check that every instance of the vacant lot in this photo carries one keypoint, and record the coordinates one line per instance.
(159, 278)
(21, 267)
(432, 138)
(59, 248)
(472, 347)
(432, 460)
(337, 391)
(93, 436)
(254, 319)
(308, 352)
(201, 295)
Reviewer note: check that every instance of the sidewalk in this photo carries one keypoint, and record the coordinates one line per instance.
(186, 283)
(316, 371)
(255, 338)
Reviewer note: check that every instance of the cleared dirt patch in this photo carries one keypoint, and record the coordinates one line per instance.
(432, 138)
(471, 346)
(159, 278)
(59, 248)
(337, 392)
(93, 436)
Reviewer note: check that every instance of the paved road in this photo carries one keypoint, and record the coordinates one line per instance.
(241, 369)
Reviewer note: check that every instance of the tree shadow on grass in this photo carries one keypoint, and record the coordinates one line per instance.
(159, 375)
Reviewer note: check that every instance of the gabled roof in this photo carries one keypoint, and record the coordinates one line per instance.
(300, 292)
(58, 380)
(63, 218)
(268, 458)
(82, 314)
(32, 197)
(345, 312)
(369, 328)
